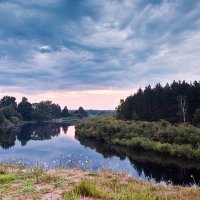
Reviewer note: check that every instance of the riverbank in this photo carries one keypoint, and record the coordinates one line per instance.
(66, 120)
(181, 140)
(71, 184)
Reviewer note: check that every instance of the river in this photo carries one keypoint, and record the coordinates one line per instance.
(55, 145)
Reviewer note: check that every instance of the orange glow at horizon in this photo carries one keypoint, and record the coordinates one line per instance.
(88, 99)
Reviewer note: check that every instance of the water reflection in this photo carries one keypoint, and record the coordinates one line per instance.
(55, 145)
(29, 132)
(153, 166)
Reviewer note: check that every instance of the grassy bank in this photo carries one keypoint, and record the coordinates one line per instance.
(20, 183)
(174, 140)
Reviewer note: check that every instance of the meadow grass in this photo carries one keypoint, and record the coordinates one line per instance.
(74, 184)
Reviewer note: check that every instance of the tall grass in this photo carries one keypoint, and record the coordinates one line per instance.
(87, 189)
(7, 178)
(103, 185)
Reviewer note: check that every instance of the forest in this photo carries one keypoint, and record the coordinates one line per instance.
(178, 102)
(13, 113)
(161, 119)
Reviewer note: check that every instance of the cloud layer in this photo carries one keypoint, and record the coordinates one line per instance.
(67, 45)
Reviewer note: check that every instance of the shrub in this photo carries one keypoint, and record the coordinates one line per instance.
(177, 140)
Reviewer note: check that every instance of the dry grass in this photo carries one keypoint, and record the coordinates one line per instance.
(75, 184)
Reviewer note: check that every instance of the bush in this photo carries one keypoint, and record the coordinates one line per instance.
(181, 140)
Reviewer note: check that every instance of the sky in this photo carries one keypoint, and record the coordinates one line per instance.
(92, 53)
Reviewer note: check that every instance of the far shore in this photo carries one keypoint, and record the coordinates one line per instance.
(68, 120)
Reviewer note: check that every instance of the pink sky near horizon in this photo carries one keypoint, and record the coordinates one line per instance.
(90, 99)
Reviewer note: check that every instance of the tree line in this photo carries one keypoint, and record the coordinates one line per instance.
(11, 112)
(175, 102)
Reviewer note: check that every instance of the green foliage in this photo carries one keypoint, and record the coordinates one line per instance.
(65, 112)
(38, 171)
(196, 119)
(181, 140)
(7, 178)
(45, 190)
(81, 113)
(70, 196)
(55, 111)
(46, 110)
(28, 187)
(12, 114)
(176, 102)
(8, 112)
(8, 101)
(15, 120)
(42, 111)
(25, 109)
(2, 117)
(87, 189)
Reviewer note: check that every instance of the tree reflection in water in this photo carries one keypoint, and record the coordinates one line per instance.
(146, 164)
(30, 132)
(157, 167)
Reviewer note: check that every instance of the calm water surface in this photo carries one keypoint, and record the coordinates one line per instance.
(55, 145)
